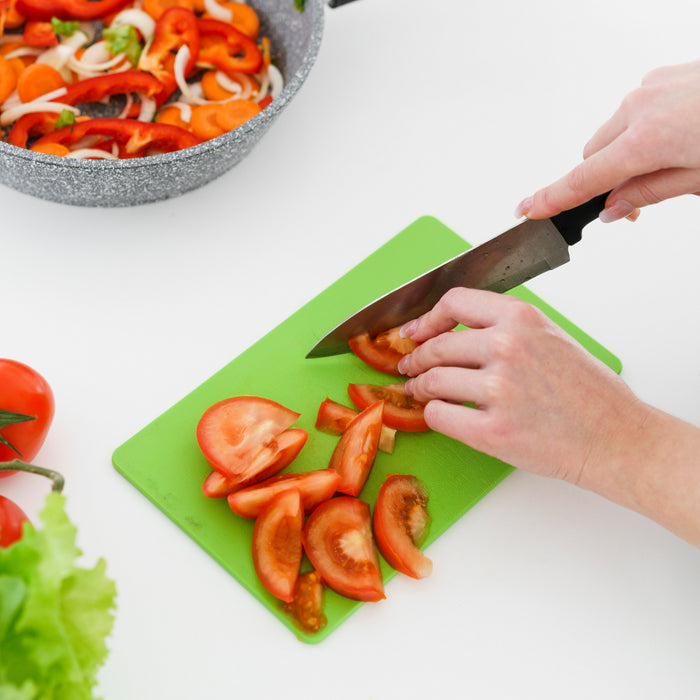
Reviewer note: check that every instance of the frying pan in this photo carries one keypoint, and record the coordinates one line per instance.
(295, 39)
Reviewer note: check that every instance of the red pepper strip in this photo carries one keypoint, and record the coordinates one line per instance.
(85, 10)
(226, 48)
(135, 136)
(123, 82)
(176, 27)
(30, 125)
(39, 34)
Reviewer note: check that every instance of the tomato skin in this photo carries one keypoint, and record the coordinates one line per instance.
(401, 523)
(238, 436)
(384, 351)
(289, 444)
(354, 454)
(11, 519)
(315, 487)
(23, 390)
(401, 411)
(277, 548)
(334, 418)
(338, 541)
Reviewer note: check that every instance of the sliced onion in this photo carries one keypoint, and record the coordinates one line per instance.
(127, 107)
(91, 153)
(139, 19)
(14, 113)
(185, 110)
(148, 109)
(264, 80)
(276, 81)
(188, 91)
(58, 57)
(217, 11)
(24, 51)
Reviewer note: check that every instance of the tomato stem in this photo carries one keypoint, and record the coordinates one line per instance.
(17, 465)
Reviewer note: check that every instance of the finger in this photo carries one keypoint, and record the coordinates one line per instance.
(459, 422)
(656, 187)
(601, 172)
(462, 348)
(448, 384)
(475, 308)
(666, 74)
(606, 134)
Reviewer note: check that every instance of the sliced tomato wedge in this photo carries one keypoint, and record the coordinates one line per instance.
(277, 548)
(384, 351)
(238, 436)
(289, 445)
(334, 418)
(401, 523)
(354, 454)
(315, 487)
(306, 607)
(401, 411)
(338, 541)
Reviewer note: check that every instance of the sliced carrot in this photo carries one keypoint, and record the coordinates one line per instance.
(213, 90)
(53, 149)
(36, 80)
(17, 64)
(237, 112)
(172, 115)
(243, 17)
(205, 121)
(8, 79)
(155, 8)
(13, 19)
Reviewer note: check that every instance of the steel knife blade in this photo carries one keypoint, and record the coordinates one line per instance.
(511, 258)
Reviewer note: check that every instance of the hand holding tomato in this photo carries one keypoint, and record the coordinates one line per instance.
(23, 392)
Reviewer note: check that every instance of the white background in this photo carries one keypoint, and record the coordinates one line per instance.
(445, 107)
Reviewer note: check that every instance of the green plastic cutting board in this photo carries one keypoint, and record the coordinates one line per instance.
(164, 462)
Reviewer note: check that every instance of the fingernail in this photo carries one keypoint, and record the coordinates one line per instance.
(407, 329)
(524, 207)
(403, 364)
(408, 386)
(616, 211)
(634, 215)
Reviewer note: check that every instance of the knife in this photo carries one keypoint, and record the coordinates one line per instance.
(504, 262)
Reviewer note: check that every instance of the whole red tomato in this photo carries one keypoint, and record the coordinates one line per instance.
(11, 519)
(23, 391)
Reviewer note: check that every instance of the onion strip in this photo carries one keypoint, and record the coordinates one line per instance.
(217, 11)
(15, 113)
(84, 153)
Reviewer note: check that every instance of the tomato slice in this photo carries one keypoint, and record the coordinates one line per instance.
(401, 523)
(238, 436)
(306, 607)
(277, 548)
(12, 517)
(338, 541)
(289, 444)
(384, 351)
(315, 487)
(401, 411)
(334, 418)
(355, 452)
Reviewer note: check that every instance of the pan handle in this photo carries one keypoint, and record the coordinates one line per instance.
(338, 3)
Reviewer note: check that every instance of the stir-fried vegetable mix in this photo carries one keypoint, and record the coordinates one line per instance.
(106, 79)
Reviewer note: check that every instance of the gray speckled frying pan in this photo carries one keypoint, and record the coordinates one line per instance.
(295, 37)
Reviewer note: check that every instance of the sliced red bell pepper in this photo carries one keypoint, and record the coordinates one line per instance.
(39, 34)
(84, 10)
(136, 137)
(176, 27)
(123, 82)
(226, 48)
(32, 124)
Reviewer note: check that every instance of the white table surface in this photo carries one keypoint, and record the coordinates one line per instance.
(455, 109)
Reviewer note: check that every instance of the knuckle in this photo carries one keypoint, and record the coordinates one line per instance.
(576, 178)
(495, 388)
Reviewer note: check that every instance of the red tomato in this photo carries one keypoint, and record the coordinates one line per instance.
(338, 541)
(384, 351)
(355, 452)
(307, 606)
(11, 519)
(24, 391)
(334, 418)
(315, 487)
(277, 547)
(289, 444)
(239, 436)
(401, 522)
(401, 411)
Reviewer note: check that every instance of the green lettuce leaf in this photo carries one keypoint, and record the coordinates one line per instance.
(54, 615)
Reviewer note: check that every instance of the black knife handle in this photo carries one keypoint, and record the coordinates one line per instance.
(570, 223)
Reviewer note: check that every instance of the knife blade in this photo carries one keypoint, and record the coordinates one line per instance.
(511, 258)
